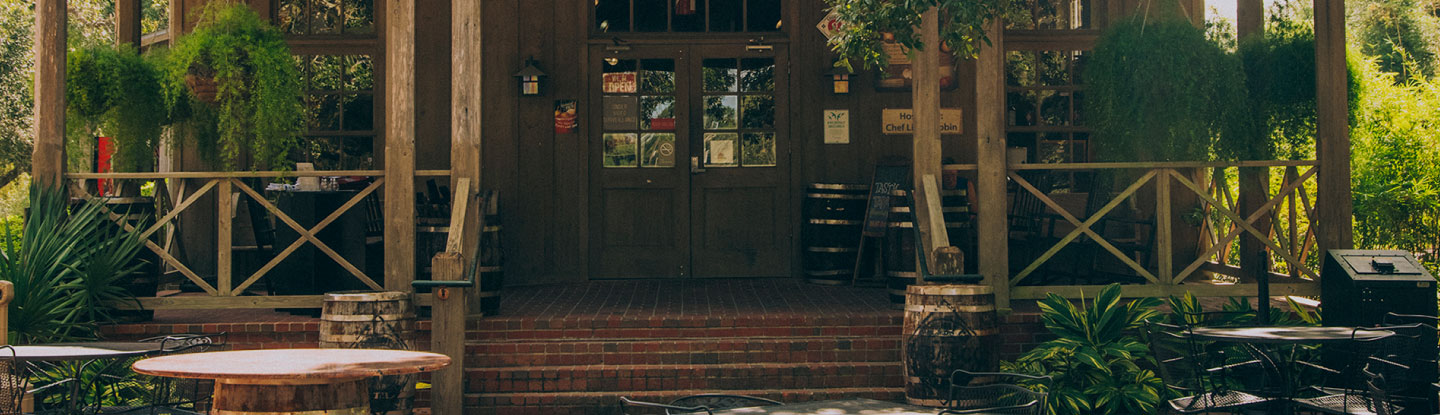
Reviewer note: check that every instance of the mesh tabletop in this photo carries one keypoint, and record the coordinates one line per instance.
(84, 351)
(856, 406)
(1288, 334)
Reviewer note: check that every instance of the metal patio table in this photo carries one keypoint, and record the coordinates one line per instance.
(1253, 337)
(855, 406)
(67, 355)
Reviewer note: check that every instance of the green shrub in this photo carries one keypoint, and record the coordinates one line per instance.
(1095, 361)
(115, 92)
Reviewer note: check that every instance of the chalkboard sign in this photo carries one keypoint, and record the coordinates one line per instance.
(887, 180)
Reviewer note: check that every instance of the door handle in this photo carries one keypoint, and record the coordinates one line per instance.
(695, 165)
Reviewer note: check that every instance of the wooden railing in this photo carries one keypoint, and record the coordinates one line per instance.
(1167, 269)
(227, 186)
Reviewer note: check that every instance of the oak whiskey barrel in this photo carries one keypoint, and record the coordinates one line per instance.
(373, 320)
(831, 232)
(345, 398)
(946, 327)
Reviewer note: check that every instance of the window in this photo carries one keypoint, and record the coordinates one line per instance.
(1050, 15)
(326, 17)
(739, 102)
(340, 102)
(655, 16)
(639, 105)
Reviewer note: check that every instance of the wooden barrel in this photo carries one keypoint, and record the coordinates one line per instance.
(344, 398)
(831, 231)
(946, 327)
(373, 320)
(492, 260)
(899, 255)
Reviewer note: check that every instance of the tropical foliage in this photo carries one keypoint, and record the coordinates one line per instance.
(870, 24)
(1097, 364)
(65, 268)
(258, 108)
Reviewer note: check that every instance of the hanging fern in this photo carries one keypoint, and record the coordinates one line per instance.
(869, 24)
(116, 92)
(258, 109)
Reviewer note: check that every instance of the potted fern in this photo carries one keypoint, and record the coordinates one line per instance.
(116, 92)
(236, 81)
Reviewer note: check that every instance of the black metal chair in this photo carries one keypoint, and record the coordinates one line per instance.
(1374, 396)
(1205, 376)
(994, 393)
(171, 396)
(706, 403)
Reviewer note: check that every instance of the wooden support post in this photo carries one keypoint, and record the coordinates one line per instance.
(926, 154)
(225, 214)
(447, 334)
(1164, 235)
(127, 23)
(7, 294)
(465, 120)
(1254, 181)
(47, 165)
(399, 145)
(1332, 142)
(990, 178)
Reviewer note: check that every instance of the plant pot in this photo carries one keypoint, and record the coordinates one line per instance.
(202, 87)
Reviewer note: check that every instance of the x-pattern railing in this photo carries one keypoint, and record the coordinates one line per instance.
(1285, 243)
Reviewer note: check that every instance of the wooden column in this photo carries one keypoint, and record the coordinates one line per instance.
(926, 105)
(447, 334)
(1332, 141)
(990, 178)
(127, 22)
(7, 294)
(48, 161)
(465, 120)
(399, 144)
(1254, 181)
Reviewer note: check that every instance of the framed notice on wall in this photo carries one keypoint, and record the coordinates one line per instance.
(900, 76)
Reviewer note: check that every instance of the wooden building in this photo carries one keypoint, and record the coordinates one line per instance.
(698, 127)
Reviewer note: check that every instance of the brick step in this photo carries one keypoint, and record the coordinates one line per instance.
(608, 403)
(602, 378)
(684, 351)
(614, 327)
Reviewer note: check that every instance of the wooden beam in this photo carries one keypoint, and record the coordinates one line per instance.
(225, 212)
(928, 201)
(400, 145)
(48, 160)
(127, 23)
(1164, 290)
(447, 332)
(992, 228)
(926, 148)
(1332, 142)
(1250, 18)
(1254, 181)
(205, 302)
(466, 99)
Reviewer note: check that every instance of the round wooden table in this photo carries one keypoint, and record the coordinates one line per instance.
(292, 381)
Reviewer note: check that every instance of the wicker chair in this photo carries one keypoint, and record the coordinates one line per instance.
(995, 394)
(13, 382)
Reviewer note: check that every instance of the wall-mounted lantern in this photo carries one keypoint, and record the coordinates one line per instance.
(839, 79)
(530, 78)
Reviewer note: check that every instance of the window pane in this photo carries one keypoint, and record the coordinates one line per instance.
(719, 75)
(619, 78)
(1055, 108)
(757, 75)
(1078, 104)
(324, 17)
(658, 150)
(1020, 108)
(325, 112)
(360, 74)
(612, 15)
(1054, 68)
(651, 15)
(720, 112)
(759, 149)
(359, 16)
(689, 16)
(1019, 68)
(657, 113)
(720, 149)
(325, 72)
(359, 153)
(758, 112)
(323, 151)
(725, 15)
(658, 77)
(291, 16)
(1050, 15)
(763, 16)
(359, 112)
(619, 149)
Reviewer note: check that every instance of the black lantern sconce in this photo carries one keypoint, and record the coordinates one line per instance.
(840, 79)
(530, 78)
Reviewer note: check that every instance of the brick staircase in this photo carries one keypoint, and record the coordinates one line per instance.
(582, 365)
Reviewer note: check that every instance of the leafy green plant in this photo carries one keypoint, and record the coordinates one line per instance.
(1160, 91)
(257, 109)
(869, 24)
(114, 91)
(1097, 364)
(64, 268)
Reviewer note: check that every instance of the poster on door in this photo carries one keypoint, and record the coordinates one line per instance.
(565, 116)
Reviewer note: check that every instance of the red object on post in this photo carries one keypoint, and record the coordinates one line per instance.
(104, 152)
(684, 7)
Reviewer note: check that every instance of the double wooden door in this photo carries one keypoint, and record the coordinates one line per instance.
(689, 161)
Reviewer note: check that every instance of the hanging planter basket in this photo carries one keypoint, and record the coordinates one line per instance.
(201, 82)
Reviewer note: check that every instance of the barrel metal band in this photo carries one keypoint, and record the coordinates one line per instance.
(953, 290)
(368, 317)
(949, 308)
(835, 196)
(829, 272)
(829, 249)
(834, 222)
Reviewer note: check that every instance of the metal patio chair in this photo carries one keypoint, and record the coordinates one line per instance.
(995, 393)
(706, 403)
(1204, 376)
(1374, 396)
(172, 396)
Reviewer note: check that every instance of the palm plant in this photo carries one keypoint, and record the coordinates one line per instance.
(1096, 360)
(65, 268)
